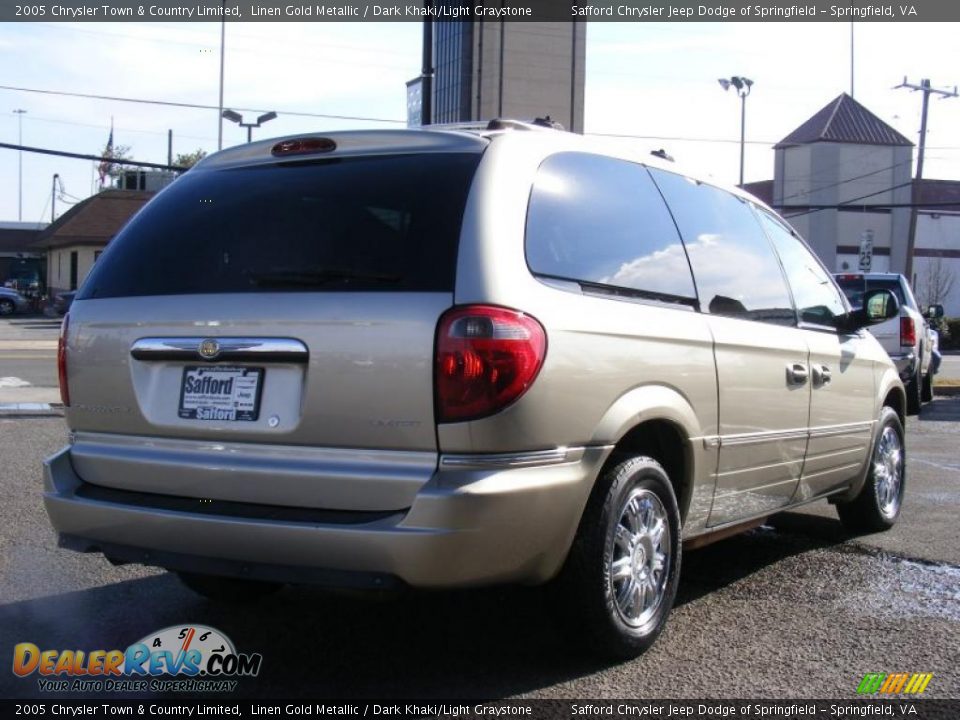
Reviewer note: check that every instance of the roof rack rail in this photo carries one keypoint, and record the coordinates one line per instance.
(539, 123)
(662, 154)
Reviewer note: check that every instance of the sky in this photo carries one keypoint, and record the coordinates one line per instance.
(655, 80)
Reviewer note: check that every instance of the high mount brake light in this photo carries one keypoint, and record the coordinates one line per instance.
(62, 361)
(303, 146)
(487, 357)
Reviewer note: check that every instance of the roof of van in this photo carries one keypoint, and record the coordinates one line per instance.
(456, 137)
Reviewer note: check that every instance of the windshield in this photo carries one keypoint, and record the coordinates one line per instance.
(370, 223)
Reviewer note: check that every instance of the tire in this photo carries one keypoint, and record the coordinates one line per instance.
(7, 307)
(878, 505)
(227, 589)
(914, 389)
(926, 394)
(630, 527)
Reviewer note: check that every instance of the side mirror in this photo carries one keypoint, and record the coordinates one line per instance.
(878, 306)
(934, 312)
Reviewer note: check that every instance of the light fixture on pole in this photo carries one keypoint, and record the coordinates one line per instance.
(238, 119)
(20, 113)
(741, 86)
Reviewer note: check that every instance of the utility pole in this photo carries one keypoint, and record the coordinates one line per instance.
(20, 113)
(925, 88)
(53, 198)
(169, 147)
(851, 59)
(223, 36)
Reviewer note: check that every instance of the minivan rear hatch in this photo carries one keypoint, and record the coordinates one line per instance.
(272, 305)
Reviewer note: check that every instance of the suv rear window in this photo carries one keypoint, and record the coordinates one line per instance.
(854, 286)
(350, 224)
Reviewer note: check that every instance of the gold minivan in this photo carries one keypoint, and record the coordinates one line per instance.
(457, 357)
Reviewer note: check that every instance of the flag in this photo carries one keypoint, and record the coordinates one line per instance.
(104, 167)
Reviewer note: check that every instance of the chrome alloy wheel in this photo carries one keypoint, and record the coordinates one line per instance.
(640, 557)
(888, 472)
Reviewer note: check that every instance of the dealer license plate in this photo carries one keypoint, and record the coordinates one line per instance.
(221, 393)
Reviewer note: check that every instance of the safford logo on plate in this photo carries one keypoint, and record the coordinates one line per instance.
(200, 658)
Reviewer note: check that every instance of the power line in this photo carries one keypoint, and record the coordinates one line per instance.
(851, 201)
(194, 106)
(80, 156)
(843, 182)
(678, 138)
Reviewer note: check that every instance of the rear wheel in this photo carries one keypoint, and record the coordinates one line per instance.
(620, 580)
(7, 307)
(927, 392)
(914, 388)
(228, 589)
(877, 507)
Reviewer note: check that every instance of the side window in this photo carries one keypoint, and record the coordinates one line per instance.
(601, 221)
(736, 270)
(817, 300)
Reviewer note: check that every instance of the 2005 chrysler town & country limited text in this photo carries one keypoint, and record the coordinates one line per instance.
(459, 357)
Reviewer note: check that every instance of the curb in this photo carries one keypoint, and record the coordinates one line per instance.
(30, 409)
(946, 390)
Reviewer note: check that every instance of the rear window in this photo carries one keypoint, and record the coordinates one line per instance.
(354, 224)
(855, 286)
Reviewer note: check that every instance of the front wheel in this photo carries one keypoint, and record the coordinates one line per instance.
(877, 507)
(620, 579)
(7, 307)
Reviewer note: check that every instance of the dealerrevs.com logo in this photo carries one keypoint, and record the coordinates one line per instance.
(180, 658)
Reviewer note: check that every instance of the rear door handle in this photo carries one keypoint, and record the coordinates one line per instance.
(797, 374)
(825, 377)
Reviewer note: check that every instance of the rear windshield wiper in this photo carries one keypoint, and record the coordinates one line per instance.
(308, 278)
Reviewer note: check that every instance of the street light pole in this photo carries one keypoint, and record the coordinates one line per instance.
(236, 117)
(20, 113)
(741, 86)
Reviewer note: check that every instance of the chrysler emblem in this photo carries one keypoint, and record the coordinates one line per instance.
(209, 349)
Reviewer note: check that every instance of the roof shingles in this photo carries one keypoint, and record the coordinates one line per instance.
(95, 220)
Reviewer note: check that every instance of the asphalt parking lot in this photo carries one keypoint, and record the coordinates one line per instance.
(794, 609)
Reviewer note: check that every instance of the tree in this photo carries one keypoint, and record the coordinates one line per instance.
(112, 166)
(188, 160)
(938, 281)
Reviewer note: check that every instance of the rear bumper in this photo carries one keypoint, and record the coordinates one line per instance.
(479, 520)
(906, 364)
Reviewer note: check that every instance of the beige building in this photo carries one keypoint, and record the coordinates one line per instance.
(519, 70)
(74, 242)
(844, 176)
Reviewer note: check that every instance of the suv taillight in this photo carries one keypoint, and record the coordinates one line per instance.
(487, 357)
(908, 332)
(62, 361)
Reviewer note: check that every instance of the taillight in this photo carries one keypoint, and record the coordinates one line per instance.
(62, 361)
(908, 332)
(487, 357)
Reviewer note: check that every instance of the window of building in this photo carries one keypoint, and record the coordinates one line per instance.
(736, 270)
(601, 221)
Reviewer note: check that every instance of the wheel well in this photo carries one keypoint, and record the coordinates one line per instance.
(895, 400)
(668, 445)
